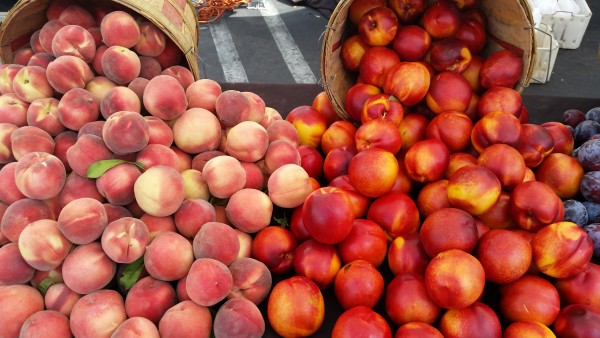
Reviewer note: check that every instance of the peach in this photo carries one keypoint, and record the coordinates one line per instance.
(251, 280)
(22, 212)
(249, 210)
(23, 55)
(561, 249)
(41, 59)
(561, 135)
(99, 86)
(307, 313)
(40, 175)
(408, 81)
(536, 143)
(170, 56)
(183, 75)
(6, 130)
(504, 161)
(577, 320)
(406, 300)
(82, 220)
(46, 323)
(87, 150)
(245, 244)
(496, 127)
(60, 298)
(78, 187)
(30, 83)
(192, 215)
(476, 319)
(77, 107)
(166, 107)
(309, 123)
(173, 245)
(217, 241)
(10, 192)
(74, 40)
(42, 245)
(474, 189)
(279, 153)
(373, 172)
(454, 279)
(224, 176)
(533, 205)
(283, 130)
(406, 255)
(247, 141)
(156, 225)
(98, 314)
(116, 184)
(77, 15)
(14, 269)
(239, 317)
(530, 297)
(68, 72)
(208, 282)
(418, 329)
(232, 107)
(120, 64)
(47, 33)
(28, 139)
(96, 64)
(452, 128)
(119, 28)
(186, 319)
(358, 283)
(118, 99)
(150, 298)
(501, 264)
(96, 35)
(17, 303)
(427, 160)
(449, 91)
(288, 186)
(433, 196)
(160, 131)
(43, 113)
(563, 173)
(62, 143)
(271, 114)
(157, 154)
(396, 212)
(195, 185)
(197, 130)
(137, 327)
(149, 68)
(125, 132)
(152, 40)
(448, 228)
(125, 239)
(255, 178)
(528, 328)
(87, 268)
(7, 75)
(257, 107)
(159, 190)
(203, 93)
(13, 110)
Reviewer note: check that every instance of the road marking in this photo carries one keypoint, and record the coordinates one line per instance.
(228, 56)
(287, 46)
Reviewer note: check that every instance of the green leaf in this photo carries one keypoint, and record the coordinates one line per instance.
(45, 284)
(282, 221)
(98, 168)
(139, 165)
(131, 273)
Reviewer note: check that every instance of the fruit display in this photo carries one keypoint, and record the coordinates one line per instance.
(138, 200)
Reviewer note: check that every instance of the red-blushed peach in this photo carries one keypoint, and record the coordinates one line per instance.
(496, 127)
(449, 91)
(528, 328)
(238, 317)
(271, 114)
(46, 323)
(182, 74)
(195, 185)
(454, 279)
(577, 320)
(192, 215)
(406, 255)
(82, 220)
(68, 72)
(245, 240)
(536, 143)
(323, 105)
(41, 59)
(199, 160)
(208, 282)
(561, 249)
(62, 142)
(432, 196)
(87, 268)
(98, 314)
(504, 255)
(159, 190)
(249, 210)
(274, 246)
(279, 153)
(502, 99)
(150, 298)
(14, 269)
(255, 178)
(337, 161)
(96, 35)
(87, 149)
(75, 14)
(232, 107)
(60, 298)
(358, 283)
(448, 228)
(186, 319)
(20, 213)
(125, 132)
(318, 261)
(333, 225)
(156, 154)
(251, 280)
(582, 288)
(119, 28)
(120, 64)
(452, 128)
(396, 213)
(309, 123)
(377, 63)
(426, 160)
(40, 175)
(77, 107)
(197, 130)
(168, 244)
(306, 315)
(224, 176)
(43, 113)
(125, 240)
(99, 86)
(283, 130)
(93, 127)
(13, 110)
(563, 139)
(47, 33)
(10, 192)
(562, 172)
(23, 55)
(30, 83)
(504, 161)
(366, 240)
(247, 141)
(257, 106)
(373, 172)
(530, 297)
(473, 320)
(289, 186)
(378, 133)
(501, 69)
(417, 330)
(136, 327)
(361, 320)
(117, 99)
(217, 241)
(406, 300)
(116, 184)
(7, 75)
(474, 189)
(74, 40)
(28, 139)
(408, 81)
(184, 160)
(149, 68)
(155, 225)
(77, 186)
(42, 245)
(17, 303)
(171, 55)
(533, 205)
(203, 93)
(6, 130)
(152, 40)
(499, 215)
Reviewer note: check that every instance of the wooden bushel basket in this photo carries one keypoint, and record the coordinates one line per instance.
(176, 18)
(510, 26)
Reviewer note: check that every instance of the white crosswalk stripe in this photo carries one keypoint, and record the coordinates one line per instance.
(228, 55)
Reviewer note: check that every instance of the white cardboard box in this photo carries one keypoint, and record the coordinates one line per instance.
(568, 28)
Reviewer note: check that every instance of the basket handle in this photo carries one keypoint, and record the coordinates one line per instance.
(550, 51)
